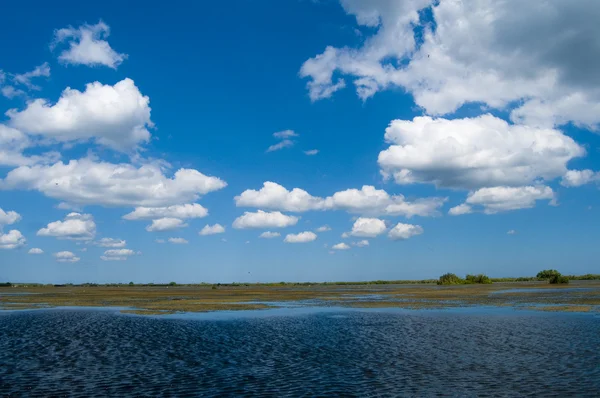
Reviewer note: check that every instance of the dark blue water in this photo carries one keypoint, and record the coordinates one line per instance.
(351, 353)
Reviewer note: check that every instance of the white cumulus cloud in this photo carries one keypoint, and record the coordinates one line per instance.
(340, 246)
(165, 224)
(185, 211)
(262, 219)
(178, 241)
(323, 228)
(66, 257)
(90, 182)
(117, 254)
(404, 231)
(269, 235)
(25, 78)
(462, 208)
(12, 239)
(87, 46)
(368, 227)
(469, 153)
(301, 237)
(114, 116)
(361, 243)
(576, 178)
(212, 229)
(111, 242)
(35, 250)
(499, 199)
(76, 226)
(8, 217)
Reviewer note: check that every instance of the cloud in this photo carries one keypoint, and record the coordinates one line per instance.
(302, 237)
(511, 232)
(361, 243)
(460, 209)
(468, 153)
(212, 230)
(165, 224)
(405, 231)
(87, 46)
(185, 211)
(311, 152)
(159, 240)
(340, 246)
(89, 182)
(499, 199)
(25, 78)
(368, 227)
(482, 52)
(323, 228)
(12, 144)
(116, 116)
(12, 240)
(66, 257)
(280, 145)
(262, 219)
(576, 178)
(117, 254)
(35, 250)
(76, 226)
(367, 200)
(8, 217)
(10, 92)
(269, 235)
(110, 242)
(178, 241)
(285, 134)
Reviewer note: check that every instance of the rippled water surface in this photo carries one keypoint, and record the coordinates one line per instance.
(85, 353)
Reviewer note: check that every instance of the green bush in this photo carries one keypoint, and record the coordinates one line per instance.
(130, 283)
(450, 279)
(481, 278)
(556, 279)
(172, 284)
(547, 274)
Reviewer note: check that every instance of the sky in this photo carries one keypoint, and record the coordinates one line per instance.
(267, 141)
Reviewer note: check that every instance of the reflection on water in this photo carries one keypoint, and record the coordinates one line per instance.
(349, 353)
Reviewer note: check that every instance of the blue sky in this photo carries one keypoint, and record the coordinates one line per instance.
(440, 148)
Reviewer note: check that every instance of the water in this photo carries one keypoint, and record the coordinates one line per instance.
(326, 352)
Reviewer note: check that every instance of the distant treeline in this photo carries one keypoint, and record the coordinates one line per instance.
(447, 279)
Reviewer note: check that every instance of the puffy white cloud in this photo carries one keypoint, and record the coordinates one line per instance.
(275, 196)
(87, 46)
(117, 254)
(361, 243)
(35, 250)
(498, 199)
(12, 239)
(285, 134)
(193, 210)
(269, 235)
(212, 229)
(165, 224)
(262, 219)
(111, 242)
(340, 246)
(12, 144)
(511, 232)
(76, 226)
(66, 257)
(178, 241)
(115, 116)
(404, 231)
(368, 227)
(311, 152)
(460, 209)
(484, 151)
(479, 52)
(301, 237)
(89, 182)
(25, 78)
(281, 145)
(576, 178)
(323, 228)
(367, 200)
(8, 217)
